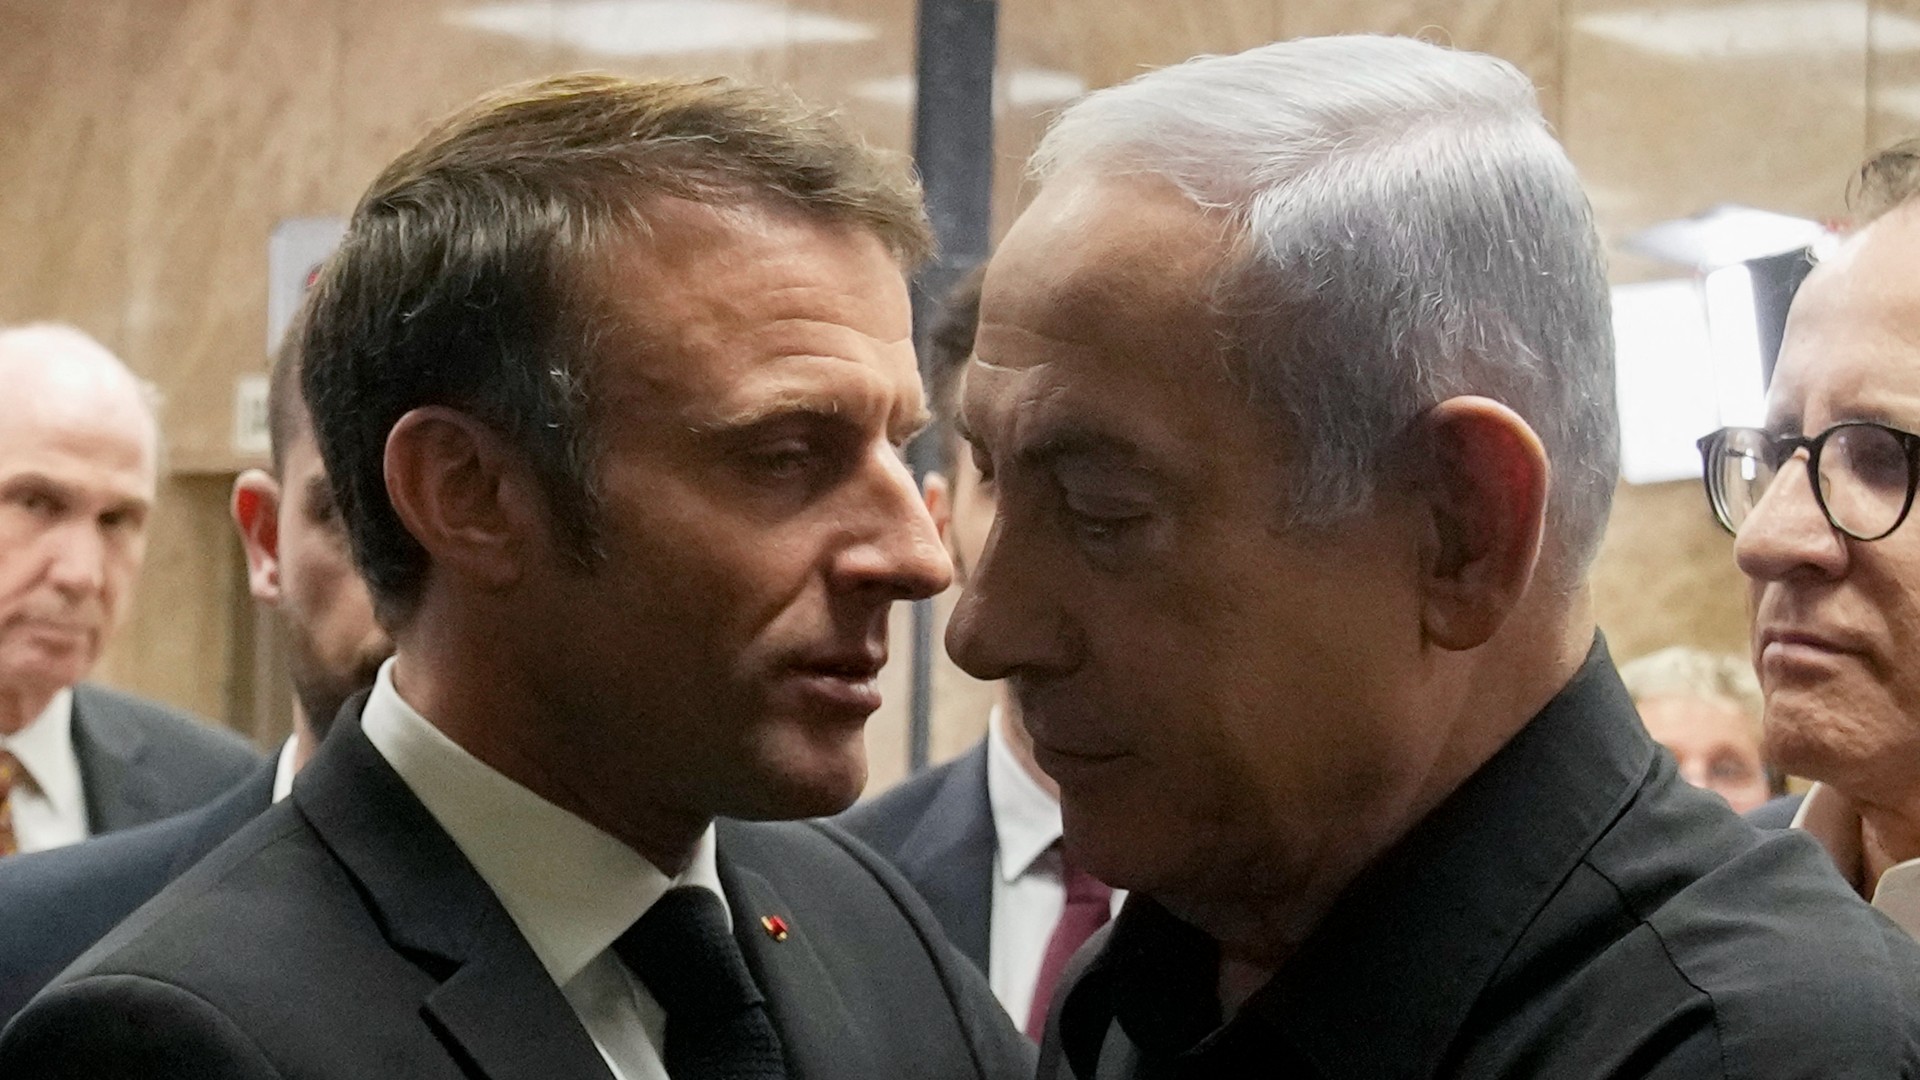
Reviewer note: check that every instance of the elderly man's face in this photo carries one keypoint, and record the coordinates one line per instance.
(77, 476)
(1836, 622)
(1215, 697)
(759, 521)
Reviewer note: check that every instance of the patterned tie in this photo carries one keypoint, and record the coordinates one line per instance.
(1088, 904)
(717, 1023)
(11, 773)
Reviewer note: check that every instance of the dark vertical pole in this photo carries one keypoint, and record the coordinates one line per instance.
(953, 148)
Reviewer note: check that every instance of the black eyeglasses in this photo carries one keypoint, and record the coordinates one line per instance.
(1863, 474)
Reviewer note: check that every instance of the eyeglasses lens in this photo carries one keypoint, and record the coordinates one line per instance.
(1863, 478)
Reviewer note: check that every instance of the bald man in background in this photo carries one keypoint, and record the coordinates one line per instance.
(54, 905)
(79, 449)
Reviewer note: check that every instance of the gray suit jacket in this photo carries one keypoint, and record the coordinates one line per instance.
(140, 761)
(937, 830)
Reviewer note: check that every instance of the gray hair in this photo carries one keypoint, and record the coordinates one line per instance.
(1408, 231)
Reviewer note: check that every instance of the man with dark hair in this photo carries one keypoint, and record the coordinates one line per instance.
(1820, 503)
(55, 904)
(979, 837)
(79, 458)
(610, 379)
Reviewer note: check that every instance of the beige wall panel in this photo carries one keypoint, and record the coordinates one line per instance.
(857, 56)
(1671, 109)
(406, 64)
(63, 173)
(1050, 49)
(177, 643)
(231, 106)
(1893, 72)
(1525, 33)
(1666, 576)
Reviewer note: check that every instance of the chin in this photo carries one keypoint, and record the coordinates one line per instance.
(819, 786)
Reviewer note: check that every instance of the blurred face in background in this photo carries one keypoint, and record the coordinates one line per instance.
(1716, 743)
(77, 479)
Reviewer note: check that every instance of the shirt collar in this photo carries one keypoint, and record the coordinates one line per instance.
(1026, 819)
(571, 887)
(284, 768)
(44, 749)
(1434, 917)
(1831, 818)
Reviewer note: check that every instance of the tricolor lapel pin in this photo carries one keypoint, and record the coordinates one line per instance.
(776, 927)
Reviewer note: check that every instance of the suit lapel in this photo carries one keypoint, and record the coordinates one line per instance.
(107, 747)
(495, 1004)
(949, 856)
(816, 1031)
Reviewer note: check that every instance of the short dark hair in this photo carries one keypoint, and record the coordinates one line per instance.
(949, 347)
(286, 410)
(465, 278)
(1888, 179)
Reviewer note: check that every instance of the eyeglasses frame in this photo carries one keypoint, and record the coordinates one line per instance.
(1710, 443)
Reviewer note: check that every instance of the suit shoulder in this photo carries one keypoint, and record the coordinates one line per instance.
(1692, 931)
(127, 1025)
(1791, 959)
(185, 739)
(885, 821)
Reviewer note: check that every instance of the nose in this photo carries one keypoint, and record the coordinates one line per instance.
(1786, 534)
(77, 560)
(898, 556)
(1009, 619)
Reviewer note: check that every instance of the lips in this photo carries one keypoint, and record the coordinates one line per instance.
(845, 682)
(1787, 648)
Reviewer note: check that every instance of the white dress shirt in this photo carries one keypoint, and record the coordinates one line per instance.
(284, 768)
(1028, 891)
(50, 807)
(570, 887)
(1834, 820)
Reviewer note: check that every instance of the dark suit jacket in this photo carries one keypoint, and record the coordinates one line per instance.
(937, 830)
(1775, 813)
(55, 904)
(343, 934)
(141, 762)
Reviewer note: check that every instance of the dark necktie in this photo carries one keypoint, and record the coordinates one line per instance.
(1088, 905)
(717, 1023)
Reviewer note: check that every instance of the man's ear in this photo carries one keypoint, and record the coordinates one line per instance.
(939, 496)
(256, 514)
(463, 494)
(1484, 476)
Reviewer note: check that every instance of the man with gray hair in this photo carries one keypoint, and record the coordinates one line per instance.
(78, 462)
(1294, 383)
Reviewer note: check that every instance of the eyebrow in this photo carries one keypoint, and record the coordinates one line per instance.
(1075, 443)
(41, 482)
(800, 405)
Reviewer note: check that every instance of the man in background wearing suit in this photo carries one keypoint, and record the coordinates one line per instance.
(55, 904)
(610, 378)
(1295, 384)
(979, 837)
(79, 449)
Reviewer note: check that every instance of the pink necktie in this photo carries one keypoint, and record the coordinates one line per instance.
(1088, 905)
